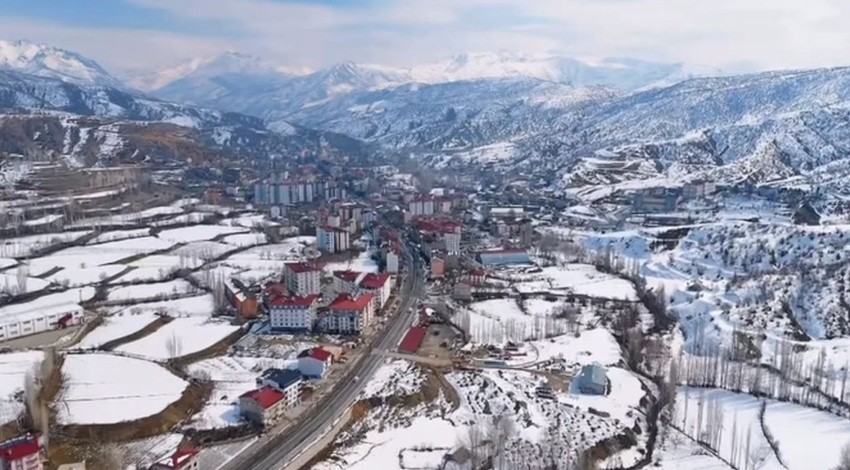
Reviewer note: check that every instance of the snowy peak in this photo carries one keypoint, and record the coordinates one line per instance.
(50, 62)
(207, 68)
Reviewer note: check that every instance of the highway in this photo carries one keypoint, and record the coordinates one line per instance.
(285, 447)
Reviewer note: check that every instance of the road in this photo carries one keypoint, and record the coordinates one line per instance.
(283, 448)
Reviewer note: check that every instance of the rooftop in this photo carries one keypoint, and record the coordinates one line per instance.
(266, 397)
(319, 353)
(293, 301)
(179, 458)
(303, 267)
(282, 377)
(349, 302)
(374, 281)
(348, 276)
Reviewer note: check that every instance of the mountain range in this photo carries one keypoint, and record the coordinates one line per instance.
(575, 122)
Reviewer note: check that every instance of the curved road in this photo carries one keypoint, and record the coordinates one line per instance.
(287, 446)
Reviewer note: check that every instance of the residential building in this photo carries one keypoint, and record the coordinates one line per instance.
(348, 314)
(23, 319)
(286, 381)
(22, 453)
(438, 266)
(423, 205)
(293, 313)
(592, 380)
(182, 459)
(655, 200)
(378, 284)
(345, 282)
(333, 239)
(452, 241)
(302, 279)
(441, 230)
(315, 363)
(391, 262)
(475, 276)
(264, 406)
(699, 189)
(504, 257)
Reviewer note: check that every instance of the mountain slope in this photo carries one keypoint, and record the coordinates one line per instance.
(51, 62)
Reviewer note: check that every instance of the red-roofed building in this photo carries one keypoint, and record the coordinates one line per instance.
(183, 459)
(302, 279)
(264, 406)
(344, 282)
(314, 363)
(293, 313)
(442, 229)
(348, 314)
(475, 276)
(21, 453)
(378, 284)
(413, 340)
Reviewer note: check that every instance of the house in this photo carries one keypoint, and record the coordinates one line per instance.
(22, 453)
(263, 407)
(293, 313)
(182, 459)
(805, 214)
(504, 257)
(286, 381)
(249, 307)
(315, 363)
(348, 314)
(332, 239)
(302, 279)
(378, 284)
(592, 380)
(655, 200)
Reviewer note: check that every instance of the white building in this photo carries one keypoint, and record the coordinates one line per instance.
(392, 262)
(302, 279)
(293, 313)
(264, 406)
(315, 363)
(25, 319)
(348, 314)
(379, 285)
(345, 282)
(452, 241)
(421, 206)
(286, 381)
(333, 239)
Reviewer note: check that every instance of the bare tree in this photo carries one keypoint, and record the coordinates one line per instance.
(22, 274)
(500, 433)
(174, 346)
(474, 441)
(844, 459)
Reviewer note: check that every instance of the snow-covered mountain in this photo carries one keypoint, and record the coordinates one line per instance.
(51, 62)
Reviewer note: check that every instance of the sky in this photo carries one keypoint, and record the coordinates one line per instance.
(139, 35)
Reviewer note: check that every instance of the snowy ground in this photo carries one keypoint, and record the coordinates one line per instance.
(197, 233)
(75, 277)
(180, 337)
(232, 377)
(398, 377)
(97, 255)
(198, 306)
(120, 235)
(19, 247)
(104, 388)
(362, 263)
(155, 291)
(14, 368)
(10, 284)
(579, 279)
(808, 439)
(116, 326)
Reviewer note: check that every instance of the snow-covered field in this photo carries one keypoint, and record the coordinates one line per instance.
(362, 263)
(579, 279)
(97, 255)
(396, 377)
(271, 257)
(19, 247)
(120, 235)
(74, 277)
(196, 233)
(808, 439)
(180, 337)
(10, 284)
(105, 388)
(155, 291)
(198, 306)
(14, 368)
(245, 239)
(116, 326)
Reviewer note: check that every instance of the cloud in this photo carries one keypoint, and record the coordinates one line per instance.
(720, 33)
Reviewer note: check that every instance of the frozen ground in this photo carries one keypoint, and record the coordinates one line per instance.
(579, 279)
(104, 388)
(180, 337)
(97, 255)
(9, 284)
(198, 306)
(14, 368)
(119, 235)
(116, 326)
(75, 277)
(245, 239)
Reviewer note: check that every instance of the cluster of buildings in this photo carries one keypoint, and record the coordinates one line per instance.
(354, 300)
(280, 390)
(285, 191)
(22, 453)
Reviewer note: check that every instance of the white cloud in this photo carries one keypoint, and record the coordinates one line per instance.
(766, 34)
